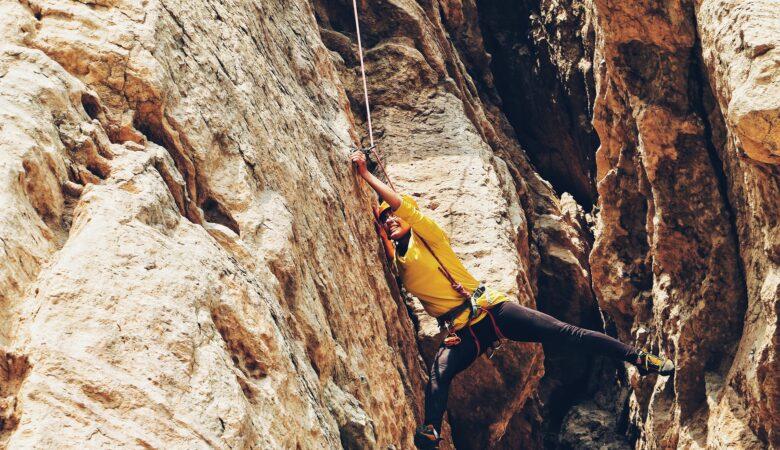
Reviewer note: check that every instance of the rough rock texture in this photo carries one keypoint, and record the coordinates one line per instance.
(542, 62)
(188, 260)
(168, 280)
(686, 259)
(741, 51)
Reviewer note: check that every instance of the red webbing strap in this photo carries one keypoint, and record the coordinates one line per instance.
(495, 325)
(455, 285)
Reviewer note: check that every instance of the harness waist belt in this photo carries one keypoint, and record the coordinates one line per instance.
(453, 313)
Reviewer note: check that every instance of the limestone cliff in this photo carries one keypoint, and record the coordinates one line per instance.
(686, 253)
(189, 261)
(168, 279)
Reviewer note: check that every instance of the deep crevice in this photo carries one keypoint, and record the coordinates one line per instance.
(91, 105)
(551, 117)
(97, 171)
(152, 128)
(155, 135)
(703, 101)
(214, 212)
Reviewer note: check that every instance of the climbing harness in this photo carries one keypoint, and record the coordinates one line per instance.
(447, 319)
(469, 298)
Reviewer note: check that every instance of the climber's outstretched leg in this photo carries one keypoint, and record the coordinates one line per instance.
(519, 323)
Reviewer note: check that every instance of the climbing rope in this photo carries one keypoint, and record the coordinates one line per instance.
(372, 146)
(363, 73)
(455, 285)
(463, 292)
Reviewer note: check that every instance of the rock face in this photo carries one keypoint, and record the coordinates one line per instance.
(542, 62)
(189, 261)
(167, 278)
(685, 259)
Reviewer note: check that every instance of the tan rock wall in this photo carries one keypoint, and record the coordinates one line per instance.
(198, 299)
(189, 260)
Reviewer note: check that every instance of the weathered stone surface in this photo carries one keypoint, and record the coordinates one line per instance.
(188, 260)
(676, 264)
(740, 46)
(170, 281)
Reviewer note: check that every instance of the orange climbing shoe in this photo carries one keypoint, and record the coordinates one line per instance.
(426, 438)
(649, 363)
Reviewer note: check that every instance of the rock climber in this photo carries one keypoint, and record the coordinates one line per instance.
(431, 271)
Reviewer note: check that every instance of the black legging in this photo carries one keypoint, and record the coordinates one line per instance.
(517, 323)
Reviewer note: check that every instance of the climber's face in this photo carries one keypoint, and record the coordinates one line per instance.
(395, 227)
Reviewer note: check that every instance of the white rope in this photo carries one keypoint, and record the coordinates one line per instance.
(371, 147)
(363, 72)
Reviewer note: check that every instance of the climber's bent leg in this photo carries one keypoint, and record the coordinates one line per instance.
(447, 363)
(519, 323)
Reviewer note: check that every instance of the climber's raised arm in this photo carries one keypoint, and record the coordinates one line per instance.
(403, 207)
(385, 192)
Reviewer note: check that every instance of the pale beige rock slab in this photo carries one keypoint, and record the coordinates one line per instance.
(741, 46)
(230, 340)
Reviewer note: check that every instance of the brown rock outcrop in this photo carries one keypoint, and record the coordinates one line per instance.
(189, 262)
(741, 49)
(685, 258)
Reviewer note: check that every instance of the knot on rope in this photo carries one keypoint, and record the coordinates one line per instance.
(461, 290)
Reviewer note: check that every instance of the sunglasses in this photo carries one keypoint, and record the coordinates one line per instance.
(384, 217)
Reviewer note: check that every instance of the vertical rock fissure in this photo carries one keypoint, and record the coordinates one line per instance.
(702, 102)
(550, 111)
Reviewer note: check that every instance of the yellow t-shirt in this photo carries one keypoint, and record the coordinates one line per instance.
(420, 270)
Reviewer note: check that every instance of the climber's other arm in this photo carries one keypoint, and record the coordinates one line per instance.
(388, 244)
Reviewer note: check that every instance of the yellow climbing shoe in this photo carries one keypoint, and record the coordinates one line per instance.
(649, 363)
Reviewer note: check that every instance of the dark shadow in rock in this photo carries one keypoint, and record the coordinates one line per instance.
(550, 107)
